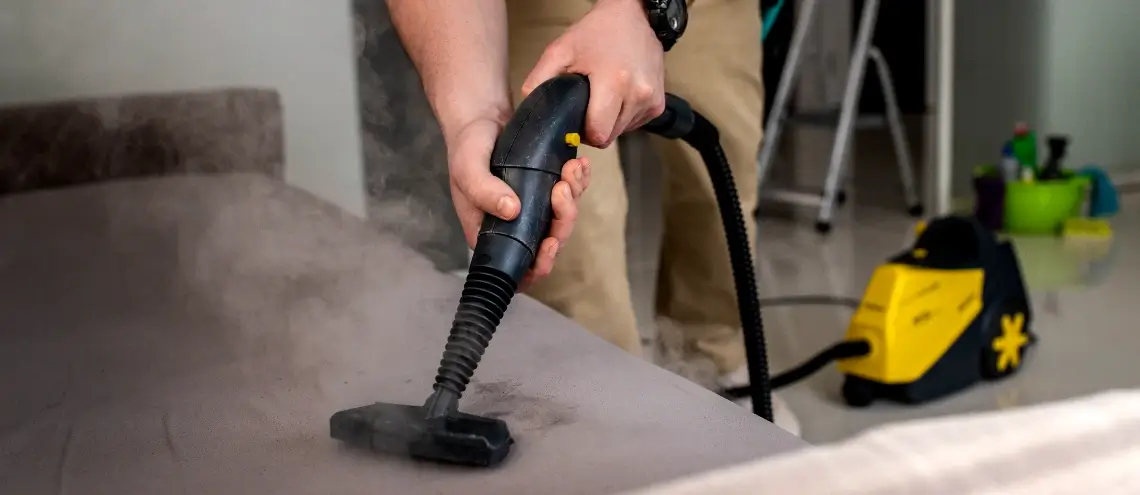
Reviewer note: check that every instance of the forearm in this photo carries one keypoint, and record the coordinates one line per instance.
(460, 51)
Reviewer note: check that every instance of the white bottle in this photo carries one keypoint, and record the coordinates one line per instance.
(1010, 168)
(1027, 175)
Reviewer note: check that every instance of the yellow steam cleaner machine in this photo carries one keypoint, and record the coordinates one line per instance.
(950, 311)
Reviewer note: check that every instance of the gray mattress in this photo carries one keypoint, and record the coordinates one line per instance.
(193, 335)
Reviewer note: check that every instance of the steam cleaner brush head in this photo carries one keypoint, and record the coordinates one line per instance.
(399, 429)
(437, 431)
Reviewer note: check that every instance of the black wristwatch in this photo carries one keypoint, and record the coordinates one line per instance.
(668, 19)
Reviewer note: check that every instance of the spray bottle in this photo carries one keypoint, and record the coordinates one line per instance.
(1025, 147)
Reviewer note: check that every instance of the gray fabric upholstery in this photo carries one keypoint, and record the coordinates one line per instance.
(97, 139)
(193, 334)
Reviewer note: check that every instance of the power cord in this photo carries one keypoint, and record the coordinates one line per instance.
(811, 300)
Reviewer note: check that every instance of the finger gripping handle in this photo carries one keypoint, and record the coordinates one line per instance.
(542, 135)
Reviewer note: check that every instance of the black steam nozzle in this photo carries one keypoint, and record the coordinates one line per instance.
(398, 429)
(540, 138)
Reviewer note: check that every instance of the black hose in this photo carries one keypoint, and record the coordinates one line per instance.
(486, 295)
(841, 350)
(680, 121)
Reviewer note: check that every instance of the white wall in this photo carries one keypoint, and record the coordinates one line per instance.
(1091, 79)
(53, 49)
(998, 61)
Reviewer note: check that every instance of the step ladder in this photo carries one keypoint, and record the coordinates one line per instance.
(844, 120)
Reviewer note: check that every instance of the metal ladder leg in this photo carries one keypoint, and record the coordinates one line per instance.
(898, 133)
(778, 113)
(847, 114)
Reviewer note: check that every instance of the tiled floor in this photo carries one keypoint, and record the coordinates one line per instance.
(1082, 300)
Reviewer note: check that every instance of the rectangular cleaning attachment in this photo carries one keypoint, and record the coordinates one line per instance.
(399, 429)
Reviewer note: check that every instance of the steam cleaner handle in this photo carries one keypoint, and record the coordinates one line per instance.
(541, 136)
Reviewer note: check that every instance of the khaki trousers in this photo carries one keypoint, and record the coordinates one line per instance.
(716, 66)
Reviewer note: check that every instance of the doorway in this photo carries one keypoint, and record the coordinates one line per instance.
(900, 34)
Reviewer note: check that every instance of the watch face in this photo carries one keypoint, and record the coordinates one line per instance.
(668, 18)
(677, 15)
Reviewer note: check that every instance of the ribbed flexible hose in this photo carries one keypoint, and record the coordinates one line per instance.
(486, 295)
(680, 121)
(705, 138)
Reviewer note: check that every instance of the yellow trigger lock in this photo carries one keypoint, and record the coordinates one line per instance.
(573, 139)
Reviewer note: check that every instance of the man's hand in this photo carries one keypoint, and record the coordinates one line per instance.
(614, 46)
(475, 191)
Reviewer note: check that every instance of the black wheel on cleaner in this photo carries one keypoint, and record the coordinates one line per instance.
(1005, 337)
(856, 392)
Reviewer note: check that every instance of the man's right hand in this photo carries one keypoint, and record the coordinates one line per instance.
(475, 191)
(615, 47)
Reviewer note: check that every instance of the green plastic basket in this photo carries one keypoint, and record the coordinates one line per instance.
(1041, 208)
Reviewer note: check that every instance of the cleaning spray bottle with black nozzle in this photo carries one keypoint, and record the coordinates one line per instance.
(1058, 147)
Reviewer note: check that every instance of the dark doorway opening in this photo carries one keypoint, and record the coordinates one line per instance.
(901, 35)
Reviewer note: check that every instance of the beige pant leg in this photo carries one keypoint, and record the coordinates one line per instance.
(589, 283)
(716, 66)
